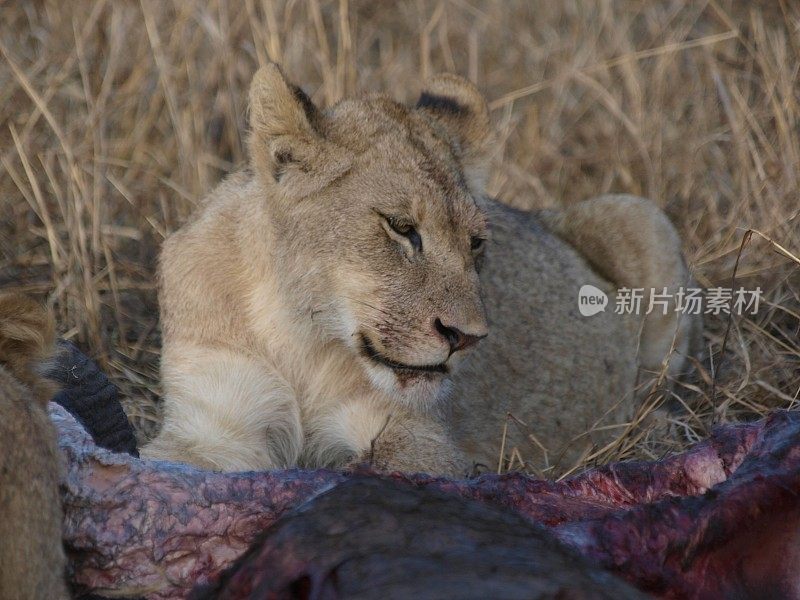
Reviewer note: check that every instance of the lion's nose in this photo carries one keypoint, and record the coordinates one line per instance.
(457, 339)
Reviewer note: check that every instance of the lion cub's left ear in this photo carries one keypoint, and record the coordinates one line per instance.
(288, 146)
(460, 109)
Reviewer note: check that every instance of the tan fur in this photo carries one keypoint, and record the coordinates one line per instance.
(280, 293)
(632, 244)
(31, 556)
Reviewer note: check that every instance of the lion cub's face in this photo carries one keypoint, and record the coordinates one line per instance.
(375, 213)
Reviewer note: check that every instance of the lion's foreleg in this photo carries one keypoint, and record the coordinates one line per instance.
(386, 437)
(224, 410)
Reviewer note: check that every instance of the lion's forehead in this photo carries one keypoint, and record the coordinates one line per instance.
(406, 190)
(380, 126)
(403, 159)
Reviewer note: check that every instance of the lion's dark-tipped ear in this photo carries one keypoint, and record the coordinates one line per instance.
(287, 145)
(460, 109)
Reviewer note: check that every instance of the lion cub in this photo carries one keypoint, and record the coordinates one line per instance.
(354, 295)
(32, 559)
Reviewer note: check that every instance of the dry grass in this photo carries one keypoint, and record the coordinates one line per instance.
(117, 116)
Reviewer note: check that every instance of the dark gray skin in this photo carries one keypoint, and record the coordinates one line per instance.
(376, 538)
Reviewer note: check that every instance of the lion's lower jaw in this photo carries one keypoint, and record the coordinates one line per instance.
(418, 392)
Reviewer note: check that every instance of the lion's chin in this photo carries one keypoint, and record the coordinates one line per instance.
(410, 384)
(412, 388)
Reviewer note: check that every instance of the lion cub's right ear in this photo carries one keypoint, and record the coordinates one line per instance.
(460, 110)
(287, 145)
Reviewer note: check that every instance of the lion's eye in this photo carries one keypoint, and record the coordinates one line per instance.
(476, 243)
(407, 230)
(401, 227)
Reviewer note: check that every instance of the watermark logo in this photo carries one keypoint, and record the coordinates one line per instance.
(689, 301)
(591, 300)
